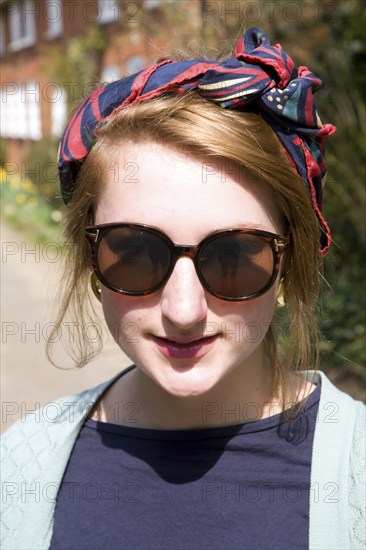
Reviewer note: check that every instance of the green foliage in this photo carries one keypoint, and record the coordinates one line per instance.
(341, 64)
(25, 205)
(41, 169)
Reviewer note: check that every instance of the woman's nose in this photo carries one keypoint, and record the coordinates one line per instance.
(183, 298)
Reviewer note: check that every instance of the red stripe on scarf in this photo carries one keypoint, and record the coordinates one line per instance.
(312, 170)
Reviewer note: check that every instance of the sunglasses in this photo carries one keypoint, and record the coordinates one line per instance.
(233, 265)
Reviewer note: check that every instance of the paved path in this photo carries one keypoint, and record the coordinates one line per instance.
(28, 277)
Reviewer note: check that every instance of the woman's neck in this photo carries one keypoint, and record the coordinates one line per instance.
(244, 395)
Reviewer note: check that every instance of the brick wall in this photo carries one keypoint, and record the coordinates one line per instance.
(135, 34)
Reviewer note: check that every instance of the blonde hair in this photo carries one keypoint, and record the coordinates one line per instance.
(205, 130)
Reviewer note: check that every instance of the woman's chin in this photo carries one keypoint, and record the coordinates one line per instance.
(185, 383)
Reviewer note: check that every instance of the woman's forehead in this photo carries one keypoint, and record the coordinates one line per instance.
(154, 184)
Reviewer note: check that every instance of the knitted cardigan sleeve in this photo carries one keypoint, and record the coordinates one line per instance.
(34, 454)
(357, 484)
(337, 491)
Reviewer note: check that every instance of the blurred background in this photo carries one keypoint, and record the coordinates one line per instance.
(55, 52)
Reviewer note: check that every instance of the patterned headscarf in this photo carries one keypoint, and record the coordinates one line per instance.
(260, 76)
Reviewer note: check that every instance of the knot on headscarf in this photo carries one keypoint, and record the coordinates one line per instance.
(260, 75)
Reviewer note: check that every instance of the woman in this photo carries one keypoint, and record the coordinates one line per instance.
(194, 194)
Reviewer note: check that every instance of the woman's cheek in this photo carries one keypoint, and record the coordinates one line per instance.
(248, 322)
(122, 318)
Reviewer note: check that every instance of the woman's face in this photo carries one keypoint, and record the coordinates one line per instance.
(187, 199)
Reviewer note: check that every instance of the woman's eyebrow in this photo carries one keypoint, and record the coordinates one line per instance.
(248, 225)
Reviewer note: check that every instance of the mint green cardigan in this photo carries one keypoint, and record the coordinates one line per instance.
(35, 452)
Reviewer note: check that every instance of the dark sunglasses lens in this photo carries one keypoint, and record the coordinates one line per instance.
(237, 266)
(133, 260)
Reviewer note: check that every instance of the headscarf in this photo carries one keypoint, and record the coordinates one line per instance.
(259, 77)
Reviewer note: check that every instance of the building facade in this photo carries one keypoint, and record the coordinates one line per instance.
(54, 52)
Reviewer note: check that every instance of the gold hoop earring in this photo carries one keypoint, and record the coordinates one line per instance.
(95, 285)
(280, 302)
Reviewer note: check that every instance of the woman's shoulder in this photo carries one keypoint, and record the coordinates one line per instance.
(338, 469)
(51, 423)
(340, 421)
(331, 395)
(34, 453)
(53, 412)
(344, 408)
(339, 439)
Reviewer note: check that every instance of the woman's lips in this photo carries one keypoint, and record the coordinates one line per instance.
(185, 350)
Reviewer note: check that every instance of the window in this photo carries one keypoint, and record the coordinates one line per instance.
(110, 73)
(22, 18)
(21, 111)
(33, 112)
(151, 4)
(108, 11)
(135, 64)
(52, 12)
(58, 111)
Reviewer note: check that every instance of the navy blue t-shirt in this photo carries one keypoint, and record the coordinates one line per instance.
(245, 486)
